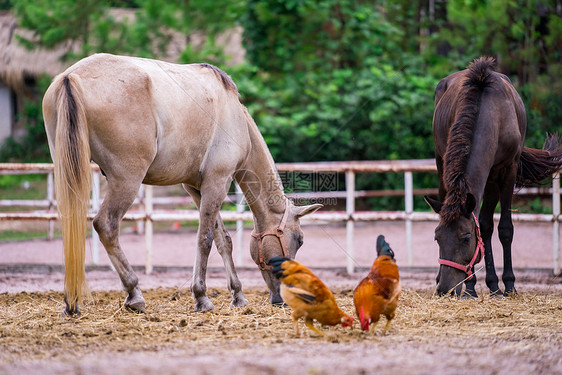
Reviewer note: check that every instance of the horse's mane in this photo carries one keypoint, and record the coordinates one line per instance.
(478, 76)
(227, 82)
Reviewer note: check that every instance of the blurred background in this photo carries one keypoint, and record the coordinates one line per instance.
(325, 80)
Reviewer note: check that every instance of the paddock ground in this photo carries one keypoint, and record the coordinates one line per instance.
(520, 334)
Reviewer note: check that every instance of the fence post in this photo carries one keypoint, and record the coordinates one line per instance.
(350, 209)
(51, 199)
(95, 208)
(409, 205)
(141, 197)
(148, 207)
(556, 224)
(240, 207)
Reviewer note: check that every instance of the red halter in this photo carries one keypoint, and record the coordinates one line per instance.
(278, 232)
(479, 250)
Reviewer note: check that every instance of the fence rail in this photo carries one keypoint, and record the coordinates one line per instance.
(147, 215)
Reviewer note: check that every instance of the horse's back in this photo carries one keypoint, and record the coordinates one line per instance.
(157, 118)
(501, 118)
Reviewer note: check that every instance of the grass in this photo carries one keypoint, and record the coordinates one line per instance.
(23, 186)
(14, 235)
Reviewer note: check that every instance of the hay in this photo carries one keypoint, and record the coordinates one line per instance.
(31, 326)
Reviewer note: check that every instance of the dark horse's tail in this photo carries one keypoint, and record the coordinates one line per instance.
(537, 165)
(479, 75)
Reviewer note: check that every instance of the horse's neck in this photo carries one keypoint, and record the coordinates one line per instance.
(261, 183)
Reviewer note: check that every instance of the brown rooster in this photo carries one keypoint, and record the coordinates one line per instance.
(378, 293)
(307, 295)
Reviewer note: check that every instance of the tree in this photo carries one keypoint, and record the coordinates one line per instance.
(329, 81)
(83, 27)
(336, 79)
(89, 25)
(57, 22)
(525, 36)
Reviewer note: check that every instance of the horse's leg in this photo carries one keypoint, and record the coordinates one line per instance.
(505, 232)
(470, 290)
(212, 197)
(490, 201)
(119, 198)
(224, 247)
(442, 194)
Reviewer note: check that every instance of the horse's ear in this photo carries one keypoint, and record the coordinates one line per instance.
(300, 211)
(433, 203)
(469, 205)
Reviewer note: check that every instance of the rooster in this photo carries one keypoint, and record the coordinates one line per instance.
(378, 293)
(307, 295)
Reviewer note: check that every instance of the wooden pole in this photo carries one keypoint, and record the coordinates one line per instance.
(148, 229)
(51, 199)
(350, 209)
(409, 198)
(95, 208)
(556, 224)
(240, 207)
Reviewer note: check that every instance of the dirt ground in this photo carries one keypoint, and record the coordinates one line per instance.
(522, 334)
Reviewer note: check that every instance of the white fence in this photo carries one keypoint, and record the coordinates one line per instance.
(147, 215)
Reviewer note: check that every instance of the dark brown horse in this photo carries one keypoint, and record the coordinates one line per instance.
(479, 129)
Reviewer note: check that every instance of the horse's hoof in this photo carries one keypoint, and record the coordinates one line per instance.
(70, 312)
(276, 299)
(510, 292)
(239, 300)
(496, 293)
(138, 307)
(204, 304)
(469, 295)
(135, 302)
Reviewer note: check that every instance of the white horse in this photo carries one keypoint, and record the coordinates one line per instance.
(152, 122)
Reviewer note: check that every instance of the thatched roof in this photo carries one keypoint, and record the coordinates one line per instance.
(18, 63)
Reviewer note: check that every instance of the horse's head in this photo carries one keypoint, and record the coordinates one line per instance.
(283, 238)
(459, 247)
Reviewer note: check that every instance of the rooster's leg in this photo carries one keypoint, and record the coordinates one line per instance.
(296, 323)
(309, 323)
(386, 326)
(373, 325)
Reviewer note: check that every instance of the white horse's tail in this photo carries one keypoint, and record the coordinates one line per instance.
(72, 183)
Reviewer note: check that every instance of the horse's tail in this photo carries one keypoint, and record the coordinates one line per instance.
(459, 146)
(537, 165)
(72, 183)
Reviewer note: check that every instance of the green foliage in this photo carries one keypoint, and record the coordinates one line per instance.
(91, 25)
(535, 206)
(328, 81)
(327, 77)
(32, 147)
(55, 22)
(6, 4)
(525, 36)
(289, 36)
(332, 79)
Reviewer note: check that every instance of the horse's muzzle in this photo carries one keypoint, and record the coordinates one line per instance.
(443, 290)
